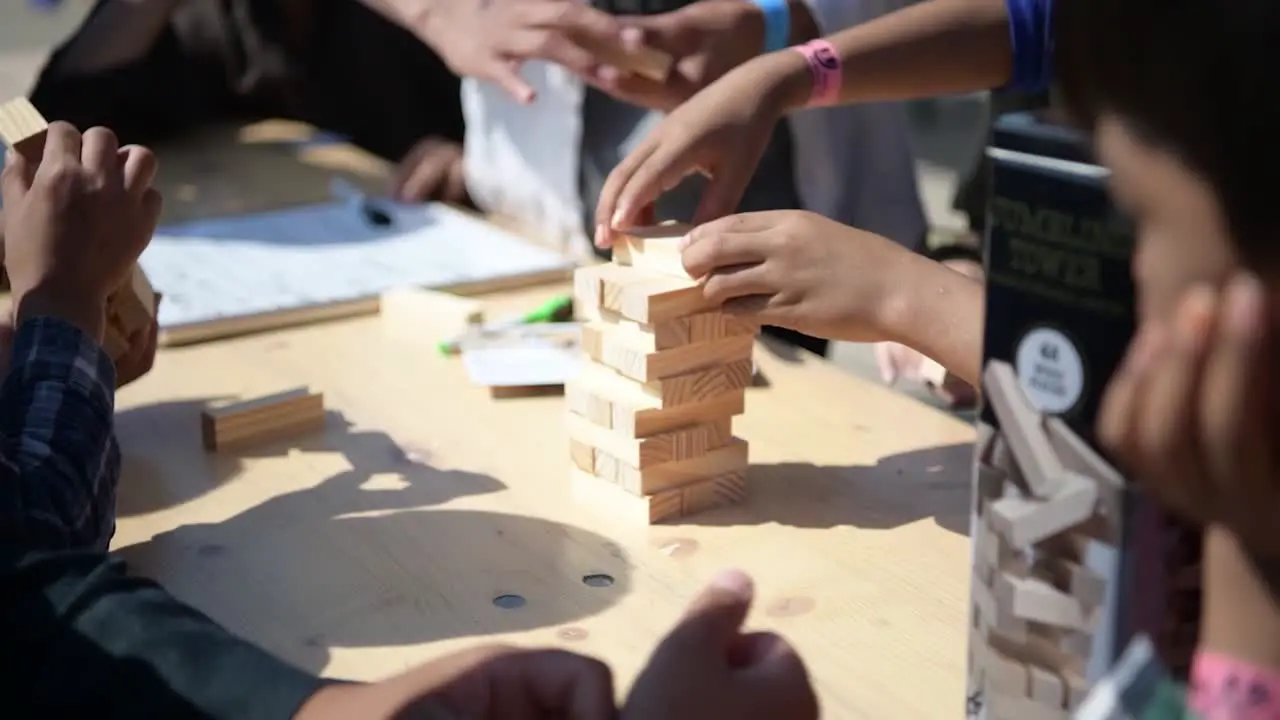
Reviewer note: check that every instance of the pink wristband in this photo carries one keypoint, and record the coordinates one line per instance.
(1223, 688)
(826, 69)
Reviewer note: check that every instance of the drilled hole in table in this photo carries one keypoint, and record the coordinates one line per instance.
(509, 602)
(597, 580)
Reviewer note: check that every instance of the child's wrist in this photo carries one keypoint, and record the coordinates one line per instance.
(1241, 616)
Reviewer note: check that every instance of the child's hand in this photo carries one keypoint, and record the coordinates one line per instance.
(76, 224)
(722, 131)
(708, 668)
(141, 355)
(1191, 412)
(483, 683)
(799, 270)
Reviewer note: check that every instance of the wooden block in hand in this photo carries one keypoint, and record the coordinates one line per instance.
(262, 419)
(23, 128)
(655, 248)
(625, 349)
(660, 507)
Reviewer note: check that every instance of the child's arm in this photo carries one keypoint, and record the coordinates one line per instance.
(59, 459)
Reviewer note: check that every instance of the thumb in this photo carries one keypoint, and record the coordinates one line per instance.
(715, 617)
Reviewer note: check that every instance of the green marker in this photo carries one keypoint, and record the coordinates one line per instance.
(557, 309)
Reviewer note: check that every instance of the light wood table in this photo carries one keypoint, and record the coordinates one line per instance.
(429, 517)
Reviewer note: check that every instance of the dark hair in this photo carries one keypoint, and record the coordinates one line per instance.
(1194, 77)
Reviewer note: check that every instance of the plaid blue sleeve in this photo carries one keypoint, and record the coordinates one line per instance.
(1031, 32)
(59, 461)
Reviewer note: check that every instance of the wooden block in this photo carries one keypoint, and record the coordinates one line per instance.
(997, 706)
(645, 296)
(133, 306)
(678, 332)
(1027, 521)
(660, 507)
(1077, 455)
(1076, 686)
(1004, 675)
(643, 453)
(990, 619)
(982, 444)
(1068, 575)
(626, 407)
(933, 373)
(1022, 429)
(1046, 687)
(1033, 600)
(644, 61)
(588, 288)
(731, 458)
(653, 248)
(414, 311)
(669, 392)
(623, 348)
(261, 419)
(23, 128)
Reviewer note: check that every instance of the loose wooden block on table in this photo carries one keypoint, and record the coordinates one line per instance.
(266, 418)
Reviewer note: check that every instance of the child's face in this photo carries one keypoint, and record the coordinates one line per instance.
(1182, 232)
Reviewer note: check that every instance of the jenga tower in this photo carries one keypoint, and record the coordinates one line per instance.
(1042, 496)
(651, 416)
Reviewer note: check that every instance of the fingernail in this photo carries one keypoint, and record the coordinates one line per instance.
(734, 581)
(608, 74)
(632, 38)
(1195, 316)
(599, 237)
(619, 216)
(685, 241)
(1246, 302)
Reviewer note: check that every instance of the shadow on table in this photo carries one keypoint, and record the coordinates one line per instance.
(364, 559)
(898, 490)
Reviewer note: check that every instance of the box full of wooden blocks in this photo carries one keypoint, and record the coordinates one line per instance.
(1069, 560)
(650, 419)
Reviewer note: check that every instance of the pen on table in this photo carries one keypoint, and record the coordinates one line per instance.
(557, 309)
(373, 215)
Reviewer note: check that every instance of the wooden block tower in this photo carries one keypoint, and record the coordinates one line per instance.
(650, 418)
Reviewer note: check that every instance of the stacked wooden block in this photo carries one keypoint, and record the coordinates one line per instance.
(1042, 496)
(650, 418)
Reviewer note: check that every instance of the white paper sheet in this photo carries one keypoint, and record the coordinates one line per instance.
(324, 254)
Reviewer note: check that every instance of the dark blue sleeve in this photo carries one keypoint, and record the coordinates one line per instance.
(1031, 32)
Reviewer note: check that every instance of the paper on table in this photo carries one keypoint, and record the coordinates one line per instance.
(326, 254)
(522, 161)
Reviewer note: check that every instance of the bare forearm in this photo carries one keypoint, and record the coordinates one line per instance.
(939, 312)
(1241, 615)
(119, 33)
(938, 47)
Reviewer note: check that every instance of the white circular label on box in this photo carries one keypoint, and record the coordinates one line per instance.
(1050, 369)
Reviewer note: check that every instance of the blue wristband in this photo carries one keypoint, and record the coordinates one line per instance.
(777, 24)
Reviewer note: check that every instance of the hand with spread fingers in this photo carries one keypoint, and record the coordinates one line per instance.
(802, 271)
(722, 132)
(708, 667)
(489, 39)
(705, 39)
(1191, 412)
